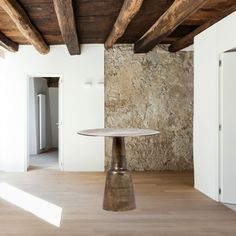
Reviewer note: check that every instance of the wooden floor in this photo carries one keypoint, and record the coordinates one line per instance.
(167, 205)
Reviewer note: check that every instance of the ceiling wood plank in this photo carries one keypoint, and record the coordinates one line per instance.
(95, 20)
(128, 11)
(179, 11)
(66, 19)
(188, 39)
(8, 44)
(24, 25)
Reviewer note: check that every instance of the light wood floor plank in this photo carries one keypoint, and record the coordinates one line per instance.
(167, 205)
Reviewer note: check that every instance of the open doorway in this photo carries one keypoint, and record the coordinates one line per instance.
(43, 144)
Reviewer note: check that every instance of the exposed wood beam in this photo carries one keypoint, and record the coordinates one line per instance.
(8, 44)
(188, 39)
(66, 19)
(129, 9)
(23, 23)
(167, 23)
(52, 82)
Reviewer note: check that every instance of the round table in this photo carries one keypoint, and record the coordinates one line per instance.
(118, 194)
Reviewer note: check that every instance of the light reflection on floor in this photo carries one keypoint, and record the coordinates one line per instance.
(45, 210)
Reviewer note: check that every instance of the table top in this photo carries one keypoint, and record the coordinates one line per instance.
(118, 132)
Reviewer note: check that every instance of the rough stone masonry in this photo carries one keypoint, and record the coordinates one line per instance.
(153, 90)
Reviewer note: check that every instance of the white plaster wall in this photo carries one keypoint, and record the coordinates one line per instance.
(33, 142)
(207, 49)
(2, 120)
(53, 104)
(83, 106)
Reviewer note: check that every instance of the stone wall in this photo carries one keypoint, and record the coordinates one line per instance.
(153, 90)
(1, 53)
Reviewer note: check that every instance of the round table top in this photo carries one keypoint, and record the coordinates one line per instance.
(118, 132)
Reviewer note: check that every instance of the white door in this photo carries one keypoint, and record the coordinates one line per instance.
(60, 123)
(228, 128)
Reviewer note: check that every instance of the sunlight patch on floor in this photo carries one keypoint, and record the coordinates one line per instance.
(45, 210)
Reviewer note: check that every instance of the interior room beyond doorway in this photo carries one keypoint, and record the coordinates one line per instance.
(43, 123)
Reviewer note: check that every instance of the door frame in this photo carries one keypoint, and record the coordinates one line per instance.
(60, 118)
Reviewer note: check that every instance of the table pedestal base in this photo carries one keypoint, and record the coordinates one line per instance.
(119, 193)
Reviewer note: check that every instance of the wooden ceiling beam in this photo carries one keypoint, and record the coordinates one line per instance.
(8, 44)
(179, 11)
(52, 82)
(66, 19)
(188, 39)
(24, 25)
(128, 11)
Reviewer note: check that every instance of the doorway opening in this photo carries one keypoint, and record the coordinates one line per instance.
(44, 123)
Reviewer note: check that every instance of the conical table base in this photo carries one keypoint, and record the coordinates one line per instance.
(119, 193)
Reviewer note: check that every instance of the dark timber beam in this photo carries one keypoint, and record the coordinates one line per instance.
(66, 19)
(179, 11)
(52, 82)
(188, 39)
(129, 9)
(8, 44)
(24, 25)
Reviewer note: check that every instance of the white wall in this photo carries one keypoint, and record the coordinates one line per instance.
(53, 105)
(2, 102)
(207, 49)
(83, 106)
(33, 141)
